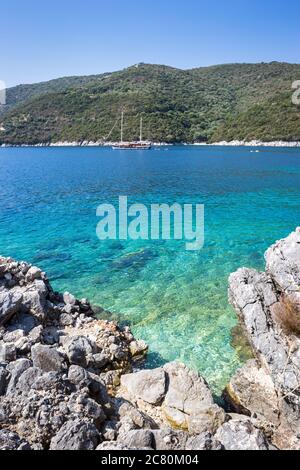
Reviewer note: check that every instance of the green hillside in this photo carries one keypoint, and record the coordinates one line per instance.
(274, 119)
(234, 101)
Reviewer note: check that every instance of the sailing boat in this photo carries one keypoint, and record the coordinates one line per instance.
(138, 145)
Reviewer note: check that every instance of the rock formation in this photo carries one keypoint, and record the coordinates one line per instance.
(69, 380)
(268, 305)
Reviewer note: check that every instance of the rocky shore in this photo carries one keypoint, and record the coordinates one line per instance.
(233, 143)
(257, 143)
(69, 380)
(84, 143)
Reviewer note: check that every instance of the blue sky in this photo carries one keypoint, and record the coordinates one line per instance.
(47, 39)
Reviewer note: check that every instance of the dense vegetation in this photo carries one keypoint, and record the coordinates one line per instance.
(235, 101)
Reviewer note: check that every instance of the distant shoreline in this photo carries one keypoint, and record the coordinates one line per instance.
(234, 143)
(252, 143)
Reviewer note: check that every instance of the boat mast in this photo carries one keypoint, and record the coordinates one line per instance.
(122, 126)
(141, 130)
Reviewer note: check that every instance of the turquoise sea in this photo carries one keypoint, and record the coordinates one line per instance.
(174, 299)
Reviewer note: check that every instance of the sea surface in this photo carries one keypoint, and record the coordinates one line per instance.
(174, 299)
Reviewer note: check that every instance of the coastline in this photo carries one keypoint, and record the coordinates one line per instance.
(57, 356)
(234, 143)
(252, 143)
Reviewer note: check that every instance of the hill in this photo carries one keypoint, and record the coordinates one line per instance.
(233, 101)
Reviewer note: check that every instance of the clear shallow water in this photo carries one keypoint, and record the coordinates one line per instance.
(175, 300)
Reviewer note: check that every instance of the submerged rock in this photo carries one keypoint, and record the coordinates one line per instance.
(240, 343)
